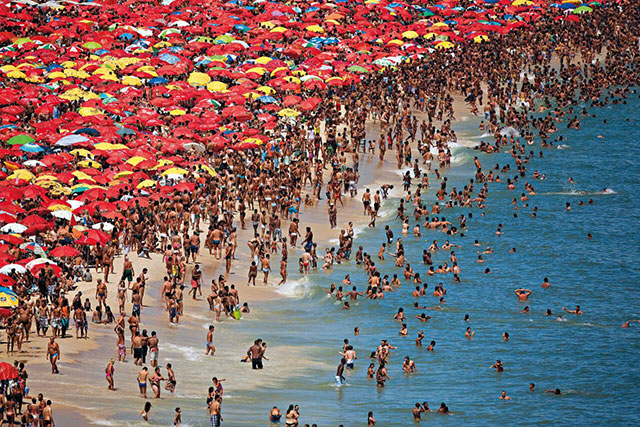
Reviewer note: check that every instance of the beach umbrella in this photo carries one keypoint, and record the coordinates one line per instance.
(64, 251)
(7, 371)
(20, 139)
(582, 10)
(6, 281)
(9, 268)
(13, 227)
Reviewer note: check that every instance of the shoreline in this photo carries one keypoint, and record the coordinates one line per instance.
(373, 173)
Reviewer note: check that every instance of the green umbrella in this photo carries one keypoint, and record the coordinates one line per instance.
(92, 45)
(582, 9)
(20, 140)
(357, 69)
(426, 13)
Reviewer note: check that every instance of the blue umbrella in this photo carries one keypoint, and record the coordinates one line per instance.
(241, 27)
(87, 131)
(125, 131)
(101, 52)
(171, 59)
(158, 81)
(267, 99)
(31, 148)
(126, 36)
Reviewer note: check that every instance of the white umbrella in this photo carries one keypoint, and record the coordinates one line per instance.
(39, 261)
(14, 227)
(195, 147)
(13, 267)
(105, 226)
(68, 140)
(63, 214)
(33, 163)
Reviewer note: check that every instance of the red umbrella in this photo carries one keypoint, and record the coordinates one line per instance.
(5, 312)
(84, 240)
(6, 281)
(63, 251)
(7, 371)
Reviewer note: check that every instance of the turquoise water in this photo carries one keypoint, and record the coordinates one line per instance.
(589, 357)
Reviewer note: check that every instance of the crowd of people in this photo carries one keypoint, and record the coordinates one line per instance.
(70, 207)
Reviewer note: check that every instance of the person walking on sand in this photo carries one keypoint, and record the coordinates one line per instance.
(109, 371)
(53, 354)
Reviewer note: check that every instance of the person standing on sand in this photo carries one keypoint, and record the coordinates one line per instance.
(47, 415)
(53, 354)
(109, 371)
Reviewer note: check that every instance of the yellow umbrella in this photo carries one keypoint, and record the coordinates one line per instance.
(105, 146)
(444, 45)
(198, 79)
(410, 35)
(89, 164)
(395, 41)
(267, 90)
(82, 176)
(56, 75)
(177, 112)
(15, 74)
(217, 86)
(81, 152)
(59, 208)
(8, 299)
(131, 81)
(522, 3)
(288, 112)
(135, 160)
(207, 169)
(89, 111)
(264, 60)
(292, 79)
(162, 162)
(175, 171)
(315, 29)
(257, 70)
(21, 174)
(123, 174)
(278, 30)
(480, 39)
(146, 183)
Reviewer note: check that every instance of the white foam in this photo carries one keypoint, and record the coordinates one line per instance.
(562, 147)
(296, 288)
(101, 422)
(189, 353)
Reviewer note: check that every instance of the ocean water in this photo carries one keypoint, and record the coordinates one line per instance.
(590, 358)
